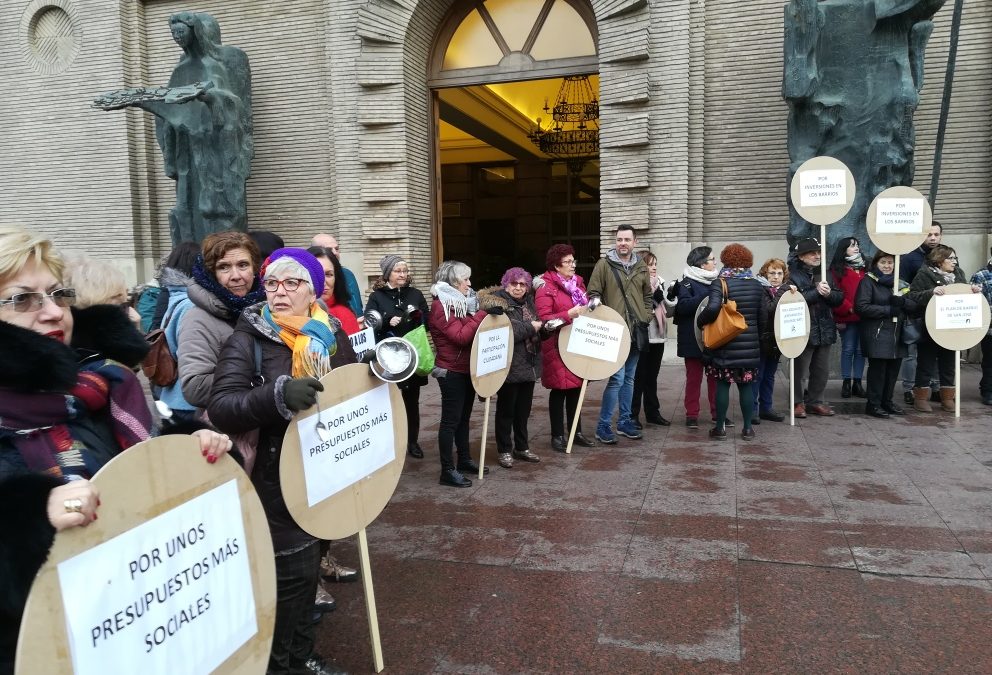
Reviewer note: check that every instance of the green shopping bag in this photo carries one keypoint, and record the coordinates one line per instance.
(425, 354)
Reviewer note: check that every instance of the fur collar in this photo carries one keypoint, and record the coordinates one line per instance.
(492, 296)
(106, 330)
(31, 362)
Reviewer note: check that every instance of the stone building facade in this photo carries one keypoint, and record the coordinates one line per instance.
(692, 124)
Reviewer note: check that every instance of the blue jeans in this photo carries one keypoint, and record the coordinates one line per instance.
(620, 389)
(850, 353)
(764, 389)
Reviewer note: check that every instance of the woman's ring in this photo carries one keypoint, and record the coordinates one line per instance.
(73, 505)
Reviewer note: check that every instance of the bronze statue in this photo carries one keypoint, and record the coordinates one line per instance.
(203, 126)
(853, 73)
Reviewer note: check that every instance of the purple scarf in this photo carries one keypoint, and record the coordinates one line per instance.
(571, 285)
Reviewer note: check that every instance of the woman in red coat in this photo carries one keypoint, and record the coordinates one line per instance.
(848, 269)
(455, 317)
(563, 296)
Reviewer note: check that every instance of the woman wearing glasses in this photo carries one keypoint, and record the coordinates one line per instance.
(515, 397)
(289, 341)
(939, 269)
(63, 415)
(562, 297)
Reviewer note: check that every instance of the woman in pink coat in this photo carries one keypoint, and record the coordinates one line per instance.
(563, 296)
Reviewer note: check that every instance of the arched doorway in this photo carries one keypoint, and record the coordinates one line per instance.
(515, 97)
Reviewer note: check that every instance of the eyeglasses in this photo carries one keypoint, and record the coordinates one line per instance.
(568, 262)
(518, 283)
(34, 301)
(291, 284)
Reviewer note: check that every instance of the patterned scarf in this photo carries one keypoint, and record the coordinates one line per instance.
(948, 277)
(312, 334)
(855, 262)
(42, 422)
(736, 273)
(209, 283)
(571, 285)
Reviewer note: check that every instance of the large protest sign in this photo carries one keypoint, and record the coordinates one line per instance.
(177, 575)
(822, 192)
(492, 352)
(898, 221)
(957, 320)
(341, 461)
(593, 346)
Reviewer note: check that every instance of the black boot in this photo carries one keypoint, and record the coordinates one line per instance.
(845, 388)
(858, 390)
(413, 449)
(876, 412)
(558, 443)
(453, 478)
(469, 465)
(582, 441)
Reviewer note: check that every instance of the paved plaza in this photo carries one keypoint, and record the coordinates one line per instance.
(844, 544)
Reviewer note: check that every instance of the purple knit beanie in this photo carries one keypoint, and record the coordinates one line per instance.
(307, 260)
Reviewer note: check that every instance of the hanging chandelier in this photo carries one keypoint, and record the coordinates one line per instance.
(574, 129)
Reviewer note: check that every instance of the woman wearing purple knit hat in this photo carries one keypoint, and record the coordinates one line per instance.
(296, 342)
(403, 308)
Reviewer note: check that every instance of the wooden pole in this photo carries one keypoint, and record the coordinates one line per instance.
(895, 285)
(575, 422)
(823, 252)
(485, 432)
(363, 552)
(957, 383)
(792, 393)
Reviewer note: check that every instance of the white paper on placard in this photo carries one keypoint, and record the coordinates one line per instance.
(359, 441)
(598, 339)
(792, 321)
(362, 341)
(494, 348)
(823, 188)
(172, 595)
(902, 215)
(958, 311)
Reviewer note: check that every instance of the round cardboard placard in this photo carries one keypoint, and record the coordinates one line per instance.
(354, 464)
(793, 344)
(697, 330)
(822, 190)
(905, 220)
(602, 343)
(958, 329)
(167, 481)
(494, 334)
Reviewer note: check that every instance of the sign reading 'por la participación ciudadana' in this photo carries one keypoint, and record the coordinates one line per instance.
(172, 595)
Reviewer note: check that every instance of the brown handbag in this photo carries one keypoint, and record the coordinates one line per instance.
(159, 366)
(728, 324)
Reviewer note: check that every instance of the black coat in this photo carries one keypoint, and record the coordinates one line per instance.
(690, 294)
(822, 330)
(392, 302)
(769, 303)
(744, 351)
(237, 407)
(881, 337)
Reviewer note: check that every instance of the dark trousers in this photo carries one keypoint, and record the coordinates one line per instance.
(457, 397)
(932, 359)
(814, 364)
(513, 402)
(411, 401)
(561, 408)
(985, 385)
(882, 377)
(293, 635)
(646, 381)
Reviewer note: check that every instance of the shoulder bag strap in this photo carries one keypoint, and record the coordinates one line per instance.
(631, 317)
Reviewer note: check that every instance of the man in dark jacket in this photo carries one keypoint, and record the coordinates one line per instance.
(814, 362)
(909, 265)
(623, 282)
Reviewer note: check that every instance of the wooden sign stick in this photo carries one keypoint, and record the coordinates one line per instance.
(823, 252)
(792, 393)
(957, 383)
(363, 553)
(578, 412)
(895, 284)
(485, 432)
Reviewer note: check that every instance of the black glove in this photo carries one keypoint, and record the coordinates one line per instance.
(495, 311)
(897, 301)
(301, 393)
(673, 292)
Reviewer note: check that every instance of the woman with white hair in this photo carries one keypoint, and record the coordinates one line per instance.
(286, 334)
(454, 319)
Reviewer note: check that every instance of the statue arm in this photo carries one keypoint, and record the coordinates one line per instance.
(802, 27)
(913, 9)
(918, 38)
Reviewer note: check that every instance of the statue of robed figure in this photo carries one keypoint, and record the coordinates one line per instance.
(203, 126)
(853, 73)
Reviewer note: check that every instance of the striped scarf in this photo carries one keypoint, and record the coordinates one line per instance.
(45, 426)
(303, 334)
